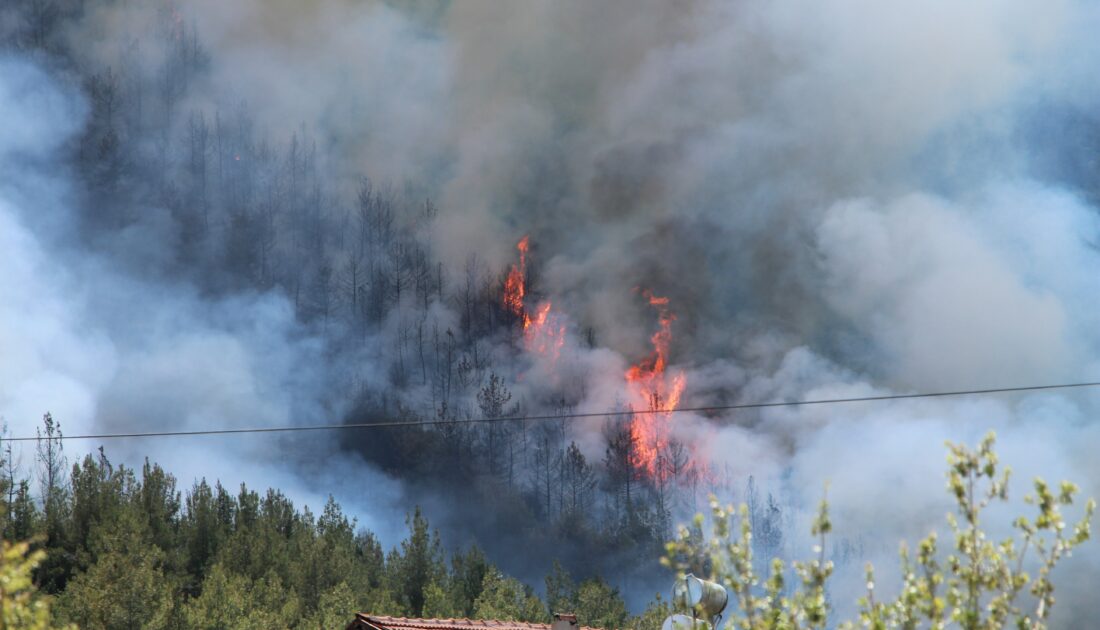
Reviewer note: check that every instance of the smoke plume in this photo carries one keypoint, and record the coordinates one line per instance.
(838, 199)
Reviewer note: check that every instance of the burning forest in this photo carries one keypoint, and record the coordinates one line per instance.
(568, 269)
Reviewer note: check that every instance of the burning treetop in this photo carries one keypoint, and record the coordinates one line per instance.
(647, 387)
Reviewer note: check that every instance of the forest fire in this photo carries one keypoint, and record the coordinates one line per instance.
(515, 284)
(656, 393)
(543, 333)
(661, 395)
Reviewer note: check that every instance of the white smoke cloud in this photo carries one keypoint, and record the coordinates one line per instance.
(835, 196)
(920, 278)
(105, 351)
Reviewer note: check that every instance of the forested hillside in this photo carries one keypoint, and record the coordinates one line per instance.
(132, 549)
(181, 184)
(550, 273)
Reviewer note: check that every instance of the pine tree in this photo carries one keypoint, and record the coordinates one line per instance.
(419, 564)
(438, 603)
(506, 598)
(468, 571)
(599, 605)
(126, 587)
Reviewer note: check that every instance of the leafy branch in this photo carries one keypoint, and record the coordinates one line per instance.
(977, 586)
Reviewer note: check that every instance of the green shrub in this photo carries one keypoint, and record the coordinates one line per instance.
(975, 584)
(22, 607)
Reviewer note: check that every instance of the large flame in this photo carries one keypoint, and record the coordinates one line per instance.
(543, 332)
(515, 285)
(652, 392)
(658, 393)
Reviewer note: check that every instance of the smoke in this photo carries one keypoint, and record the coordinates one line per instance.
(107, 351)
(839, 199)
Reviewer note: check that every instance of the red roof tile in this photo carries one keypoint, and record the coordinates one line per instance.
(380, 622)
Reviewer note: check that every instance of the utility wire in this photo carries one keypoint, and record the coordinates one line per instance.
(567, 416)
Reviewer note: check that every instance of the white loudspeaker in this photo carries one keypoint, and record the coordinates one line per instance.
(703, 598)
(684, 622)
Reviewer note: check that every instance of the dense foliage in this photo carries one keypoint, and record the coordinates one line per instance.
(122, 548)
(22, 606)
(238, 208)
(978, 583)
(242, 208)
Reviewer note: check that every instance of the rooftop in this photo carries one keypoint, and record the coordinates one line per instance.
(363, 621)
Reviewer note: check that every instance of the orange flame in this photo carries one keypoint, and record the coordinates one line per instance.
(648, 383)
(515, 284)
(659, 393)
(544, 334)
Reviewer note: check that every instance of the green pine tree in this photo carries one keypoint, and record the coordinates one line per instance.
(22, 607)
(126, 587)
(506, 598)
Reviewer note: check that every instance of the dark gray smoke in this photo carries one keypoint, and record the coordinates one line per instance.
(838, 198)
(107, 350)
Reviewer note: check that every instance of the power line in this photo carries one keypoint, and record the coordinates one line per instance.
(568, 416)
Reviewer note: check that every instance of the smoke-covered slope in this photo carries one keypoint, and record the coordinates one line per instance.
(836, 199)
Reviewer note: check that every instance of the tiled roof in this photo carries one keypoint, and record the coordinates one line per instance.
(380, 622)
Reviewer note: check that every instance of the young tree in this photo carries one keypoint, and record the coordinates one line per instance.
(7, 480)
(21, 605)
(334, 608)
(579, 482)
(561, 591)
(50, 456)
(126, 587)
(55, 570)
(506, 598)
(438, 603)
(492, 400)
(769, 528)
(622, 477)
(160, 505)
(25, 517)
(98, 495)
(653, 617)
(419, 564)
(203, 530)
(599, 605)
(468, 571)
(233, 602)
(979, 585)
